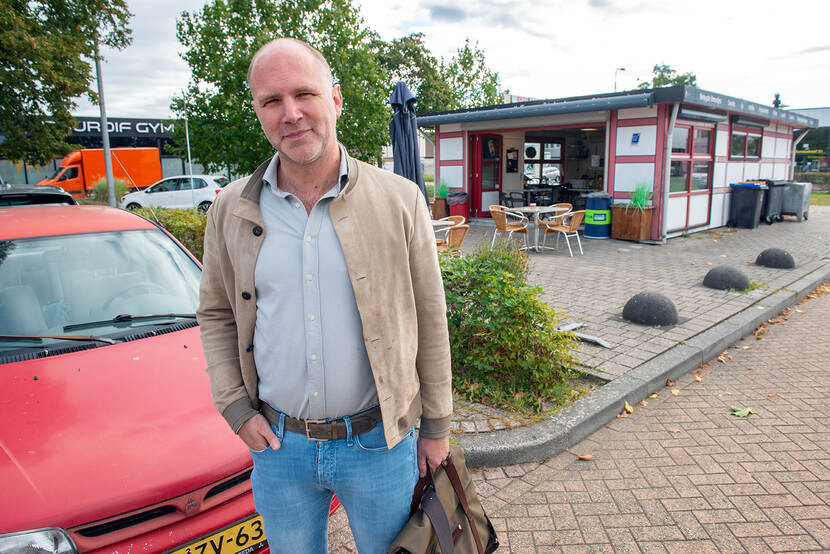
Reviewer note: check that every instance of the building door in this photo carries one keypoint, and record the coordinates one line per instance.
(690, 183)
(485, 173)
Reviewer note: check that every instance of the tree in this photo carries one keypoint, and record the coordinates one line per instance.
(44, 64)
(665, 76)
(408, 59)
(471, 82)
(219, 41)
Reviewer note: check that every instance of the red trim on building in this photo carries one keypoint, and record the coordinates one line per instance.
(611, 162)
(637, 122)
(658, 197)
(635, 159)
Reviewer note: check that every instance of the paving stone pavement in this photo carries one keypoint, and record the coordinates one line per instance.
(681, 474)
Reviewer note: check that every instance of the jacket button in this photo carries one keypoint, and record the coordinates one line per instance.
(249, 348)
(257, 230)
(246, 295)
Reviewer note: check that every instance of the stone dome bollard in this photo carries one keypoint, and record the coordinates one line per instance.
(775, 257)
(726, 278)
(650, 308)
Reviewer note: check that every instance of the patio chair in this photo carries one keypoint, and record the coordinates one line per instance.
(504, 225)
(455, 238)
(569, 228)
(558, 216)
(512, 199)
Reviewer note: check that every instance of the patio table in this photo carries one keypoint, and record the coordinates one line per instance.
(537, 212)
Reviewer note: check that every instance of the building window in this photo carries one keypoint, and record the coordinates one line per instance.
(543, 162)
(692, 158)
(745, 143)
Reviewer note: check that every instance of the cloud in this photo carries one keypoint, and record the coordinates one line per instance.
(445, 14)
(803, 52)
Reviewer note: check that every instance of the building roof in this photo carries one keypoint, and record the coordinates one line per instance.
(714, 102)
(821, 114)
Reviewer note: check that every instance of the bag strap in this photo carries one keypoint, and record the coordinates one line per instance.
(449, 467)
(418, 492)
(438, 518)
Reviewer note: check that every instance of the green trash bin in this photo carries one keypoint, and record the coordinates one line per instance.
(597, 216)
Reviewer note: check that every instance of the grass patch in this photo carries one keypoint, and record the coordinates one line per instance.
(753, 285)
(820, 199)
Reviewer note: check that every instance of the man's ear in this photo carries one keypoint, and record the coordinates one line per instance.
(337, 97)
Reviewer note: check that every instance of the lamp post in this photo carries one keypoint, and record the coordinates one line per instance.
(615, 77)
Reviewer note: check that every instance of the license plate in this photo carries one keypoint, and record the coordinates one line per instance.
(240, 538)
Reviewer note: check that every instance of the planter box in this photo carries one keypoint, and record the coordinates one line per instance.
(631, 224)
(439, 208)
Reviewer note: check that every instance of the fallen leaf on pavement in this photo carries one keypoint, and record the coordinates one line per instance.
(622, 415)
(749, 369)
(747, 347)
(628, 407)
(698, 378)
(643, 403)
(771, 394)
(670, 383)
(707, 263)
(673, 430)
(723, 255)
(741, 412)
(654, 395)
(675, 392)
(585, 457)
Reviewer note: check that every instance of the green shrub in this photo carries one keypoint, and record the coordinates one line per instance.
(188, 226)
(429, 178)
(430, 191)
(639, 198)
(443, 190)
(505, 347)
(101, 191)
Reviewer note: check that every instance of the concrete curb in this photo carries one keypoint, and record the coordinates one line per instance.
(550, 437)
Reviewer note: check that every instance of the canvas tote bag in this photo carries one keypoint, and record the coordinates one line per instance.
(446, 516)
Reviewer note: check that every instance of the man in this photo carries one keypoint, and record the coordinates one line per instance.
(323, 319)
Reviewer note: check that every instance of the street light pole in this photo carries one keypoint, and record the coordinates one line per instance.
(105, 133)
(615, 77)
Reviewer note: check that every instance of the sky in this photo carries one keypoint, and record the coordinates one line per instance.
(543, 48)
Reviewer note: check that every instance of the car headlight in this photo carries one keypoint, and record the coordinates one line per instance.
(51, 540)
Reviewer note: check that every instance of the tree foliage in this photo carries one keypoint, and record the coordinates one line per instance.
(44, 64)
(472, 83)
(464, 81)
(665, 76)
(219, 41)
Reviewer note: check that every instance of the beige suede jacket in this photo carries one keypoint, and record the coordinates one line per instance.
(383, 226)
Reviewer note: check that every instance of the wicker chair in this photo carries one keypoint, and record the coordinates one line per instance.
(568, 227)
(455, 238)
(503, 225)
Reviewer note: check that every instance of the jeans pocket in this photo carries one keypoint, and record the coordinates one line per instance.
(258, 451)
(372, 441)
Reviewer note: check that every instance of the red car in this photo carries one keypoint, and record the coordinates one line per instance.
(108, 439)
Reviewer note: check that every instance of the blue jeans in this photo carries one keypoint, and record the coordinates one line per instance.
(293, 487)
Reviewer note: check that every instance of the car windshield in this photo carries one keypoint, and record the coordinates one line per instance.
(49, 283)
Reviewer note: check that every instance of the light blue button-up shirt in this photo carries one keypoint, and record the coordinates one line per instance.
(308, 340)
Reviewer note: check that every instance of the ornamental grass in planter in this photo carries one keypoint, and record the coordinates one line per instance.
(632, 221)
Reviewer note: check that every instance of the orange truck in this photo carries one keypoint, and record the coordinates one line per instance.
(81, 169)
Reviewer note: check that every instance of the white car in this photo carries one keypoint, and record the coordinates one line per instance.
(182, 191)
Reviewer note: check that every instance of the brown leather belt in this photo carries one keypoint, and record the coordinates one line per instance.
(325, 429)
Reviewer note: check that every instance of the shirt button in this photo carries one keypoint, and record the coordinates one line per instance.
(311, 317)
(249, 348)
(257, 230)
(310, 277)
(308, 238)
(316, 394)
(297, 205)
(246, 295)
(314, 356)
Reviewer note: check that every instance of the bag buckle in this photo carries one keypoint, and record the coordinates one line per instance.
(308, 431)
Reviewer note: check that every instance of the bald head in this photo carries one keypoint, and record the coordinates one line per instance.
(289, 46)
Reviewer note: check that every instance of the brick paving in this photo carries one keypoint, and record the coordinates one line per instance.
(681, 474)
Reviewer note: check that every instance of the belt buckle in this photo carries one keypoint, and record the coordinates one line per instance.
(307, 430)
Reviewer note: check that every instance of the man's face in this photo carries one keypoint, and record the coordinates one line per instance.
(296, 105)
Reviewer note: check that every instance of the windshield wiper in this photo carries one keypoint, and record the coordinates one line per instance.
(125, 318)
(39, 338)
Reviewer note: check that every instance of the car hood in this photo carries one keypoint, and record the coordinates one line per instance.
(105, 431)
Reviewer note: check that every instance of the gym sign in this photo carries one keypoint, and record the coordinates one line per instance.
(123, 127)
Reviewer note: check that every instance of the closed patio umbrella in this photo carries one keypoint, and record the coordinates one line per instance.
(403, 130)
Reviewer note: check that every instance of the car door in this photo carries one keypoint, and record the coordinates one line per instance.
(162, 193)
(183, 197)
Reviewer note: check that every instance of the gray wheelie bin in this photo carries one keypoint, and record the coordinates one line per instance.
(797, 200)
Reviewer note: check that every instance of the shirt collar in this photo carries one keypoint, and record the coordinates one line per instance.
(270, 176)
